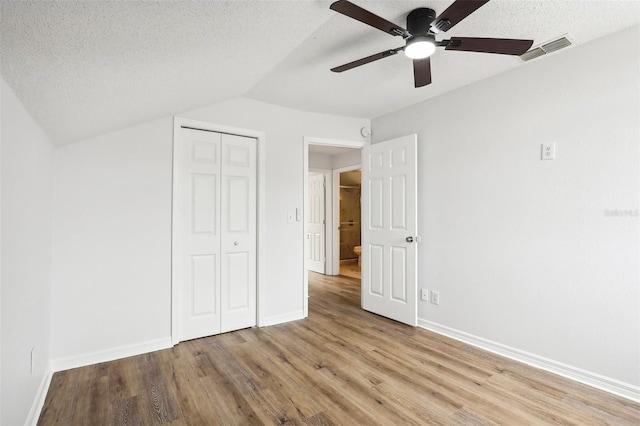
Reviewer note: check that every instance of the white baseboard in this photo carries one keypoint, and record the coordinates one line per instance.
(88, 359)
(279, 319)
(110, 354)
(38, 401)
(598, 381)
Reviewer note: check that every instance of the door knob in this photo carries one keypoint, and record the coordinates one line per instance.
(409, 239)
(235, 243)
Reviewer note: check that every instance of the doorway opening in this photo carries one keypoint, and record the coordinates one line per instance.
(324, 160)
(350, 248)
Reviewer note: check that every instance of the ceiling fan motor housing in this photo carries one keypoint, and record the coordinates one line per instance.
(419, 21)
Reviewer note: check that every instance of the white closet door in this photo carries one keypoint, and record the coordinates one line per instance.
(214, 232)
(238, 238)
(197, 231)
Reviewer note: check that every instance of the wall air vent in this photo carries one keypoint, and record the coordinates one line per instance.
(548, 47)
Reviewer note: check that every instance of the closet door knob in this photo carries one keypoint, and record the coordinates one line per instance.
(235, 243)
(409, 239)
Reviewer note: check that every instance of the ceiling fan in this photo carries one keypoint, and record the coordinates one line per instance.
(420, 36)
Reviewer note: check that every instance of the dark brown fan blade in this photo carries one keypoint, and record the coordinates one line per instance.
(503, 46)
(356, 12)
(455, 13)
(366, 60)
(422, 71)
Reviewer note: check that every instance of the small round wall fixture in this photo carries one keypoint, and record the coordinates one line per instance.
(365, 132)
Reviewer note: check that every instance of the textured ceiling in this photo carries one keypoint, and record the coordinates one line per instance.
(88, 67)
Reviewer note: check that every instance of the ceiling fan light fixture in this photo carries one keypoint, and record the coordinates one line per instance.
(420, 47)
(420, 36)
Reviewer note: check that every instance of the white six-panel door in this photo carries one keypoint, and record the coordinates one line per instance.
(389, 221)
(316, 235)
(238, 261)
(214, 234)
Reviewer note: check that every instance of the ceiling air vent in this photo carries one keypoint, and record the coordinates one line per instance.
(548, 47)
(532, 54)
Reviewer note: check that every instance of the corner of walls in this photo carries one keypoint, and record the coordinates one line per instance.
(110, 354)
(347, 159)
(2, 84)
(26, 260)
(41, 395)
(282, 318)
(320, 161)
(112, 244)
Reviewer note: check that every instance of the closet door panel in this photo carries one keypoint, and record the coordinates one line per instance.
(238, 233)
(197, 232)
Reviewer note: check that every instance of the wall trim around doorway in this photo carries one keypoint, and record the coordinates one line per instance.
(307, 140)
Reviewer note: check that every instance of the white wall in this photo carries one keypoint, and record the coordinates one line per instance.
(27, 203)
(112, 242)
(2, 85)
(112, 238)
(353, 157)
(522, 250)
(350, 157)
(318, 160)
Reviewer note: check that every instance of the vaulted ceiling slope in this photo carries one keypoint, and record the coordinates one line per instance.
(88, 67)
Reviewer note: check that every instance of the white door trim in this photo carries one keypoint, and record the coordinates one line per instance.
(307, 140)
(178, 123)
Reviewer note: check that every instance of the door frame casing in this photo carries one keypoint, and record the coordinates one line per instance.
(308, 140)
(178, 123)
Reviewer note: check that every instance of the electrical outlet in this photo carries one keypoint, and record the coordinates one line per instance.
(435, 297)
(424, 294)
(548, 151)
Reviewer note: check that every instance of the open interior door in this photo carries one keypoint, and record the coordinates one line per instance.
(316, 233)
(389, 225)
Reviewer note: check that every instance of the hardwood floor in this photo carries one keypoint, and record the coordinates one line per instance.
(350, 268)
(340, 366)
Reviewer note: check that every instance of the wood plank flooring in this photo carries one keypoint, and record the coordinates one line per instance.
(340, 366)
(350, 268)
